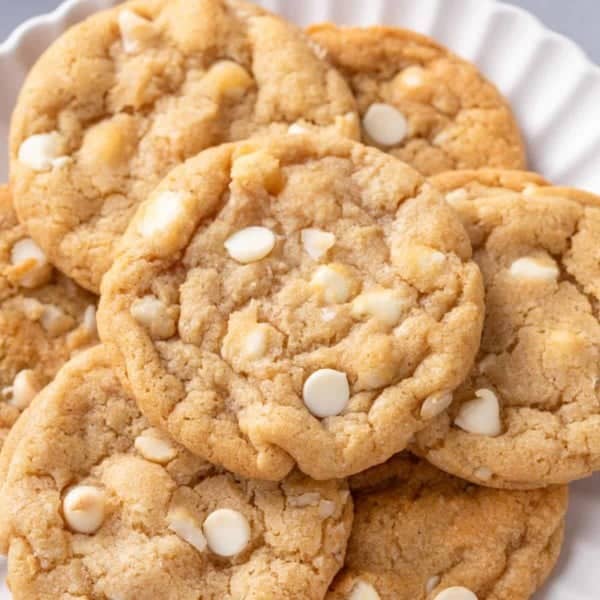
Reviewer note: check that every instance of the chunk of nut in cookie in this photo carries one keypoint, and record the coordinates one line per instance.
(136, 31)
(456, 593)
(531, 268)
(55, 321)
(362, 590)
(227, 532)
(84, 508)
(109, 143)
(186, 526)
(326, 393)
(317, 242)
(435, 404)
(24, 389)
(480, 415)
(42, 152)
(296, 129)
(385, 125)
(387, 306)
(89, 320)
(31, 264)
(250, 244)
(333, 283)
(152, 314)
(227, 79)
(432, 583)
(155, 447)
(411, 77)
(257, 169)
(160, 213)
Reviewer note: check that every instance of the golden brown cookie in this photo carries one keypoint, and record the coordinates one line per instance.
(529, 413)
(420, 534)
(297, 299)
(100, 505)
(421, 102)
(124, 96)
(44, 317)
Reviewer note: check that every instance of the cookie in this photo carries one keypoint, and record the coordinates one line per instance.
(133, 91)
(529, 413)
(420, 534)
(421, 102)
(302, 299)
(101, 505)
(44, 317)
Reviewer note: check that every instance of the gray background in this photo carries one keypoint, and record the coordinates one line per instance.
(578, 19)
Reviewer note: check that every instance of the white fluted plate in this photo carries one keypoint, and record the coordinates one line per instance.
(554, 90)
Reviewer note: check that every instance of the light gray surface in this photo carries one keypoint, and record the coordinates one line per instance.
(578, 19)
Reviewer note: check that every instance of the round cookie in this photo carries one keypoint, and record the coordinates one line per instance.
(297, 299)
(44, 317)
(421, 102)
(128, 94)
(420, 534)
(100, 505)
(528, 415)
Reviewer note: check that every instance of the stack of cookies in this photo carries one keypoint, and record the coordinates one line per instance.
(350, 349)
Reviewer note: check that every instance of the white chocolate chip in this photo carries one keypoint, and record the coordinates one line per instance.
(332, 282)
(89, 320)
(227, 531)
(295, 129)
(33, 309)
(317, 242)
(326, 392)
(483, 473)
(161, 213)
(326, 509)
(250, 244)
(41, 152)
(363, 591)
(318, 50)
(456, 196)
(432, 583)
(84, 508)
(384, 305)
(307, 499)
(385, 125)
(32, 263)
(530, 189)
(61, 161)
(24, 389)
(55, 321)
(480, 415)
(328, 314)
(412, 77)
(456, 593)
(226, 78)
(151, 313)
(186, 526)
(155, 447)
(530, 268)
(255, 342)
(135, 31)
(435, 404)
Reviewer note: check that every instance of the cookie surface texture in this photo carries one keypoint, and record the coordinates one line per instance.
(529, 413)
(299, 299)
(421, 102)
(44, 317)
(121, 98)
(420, 534)
(101, 505)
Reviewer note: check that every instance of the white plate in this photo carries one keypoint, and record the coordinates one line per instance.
(553, 87)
